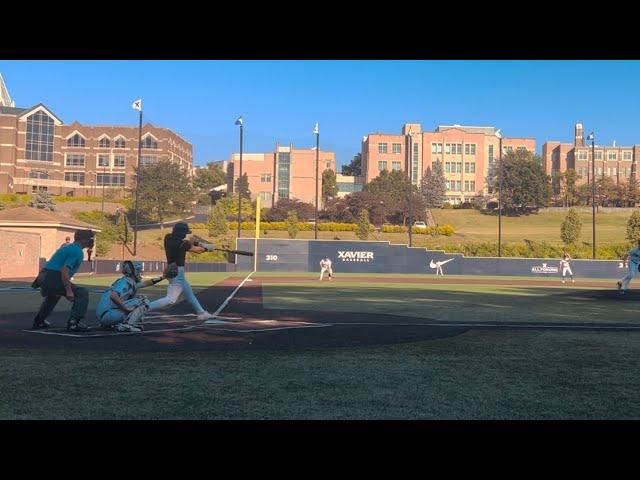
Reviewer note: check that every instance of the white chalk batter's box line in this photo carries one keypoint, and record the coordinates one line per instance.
(178, 329)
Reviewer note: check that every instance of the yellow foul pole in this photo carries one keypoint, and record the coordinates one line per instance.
(255, 246)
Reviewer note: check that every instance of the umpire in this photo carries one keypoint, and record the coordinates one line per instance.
(54, 281)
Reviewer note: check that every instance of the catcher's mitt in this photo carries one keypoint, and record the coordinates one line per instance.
(171, 271)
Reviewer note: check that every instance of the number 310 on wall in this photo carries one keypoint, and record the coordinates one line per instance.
(271, 258)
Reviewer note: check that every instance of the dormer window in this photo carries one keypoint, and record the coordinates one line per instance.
(149, 142)
(76, 141)
(120, 143)
(104, 142)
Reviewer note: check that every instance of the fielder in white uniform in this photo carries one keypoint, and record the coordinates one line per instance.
(325, 266)
(632, 259)
(566, 268)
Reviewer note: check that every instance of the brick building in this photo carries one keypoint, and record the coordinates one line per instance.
(287, 172)
(468, 155)
(615, 161)
(38, 151)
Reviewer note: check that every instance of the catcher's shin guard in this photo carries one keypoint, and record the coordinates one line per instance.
(134, 318)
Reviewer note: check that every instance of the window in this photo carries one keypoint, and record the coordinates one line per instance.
(453, 185)
(76, 141)
(74, 160)
(598, 155)
(469, 186)
(103, 160)
(454, 148)
(265, 196)
(436, 148)
(599, 170)
(447, 148)
(470, 167)
(582, 155)
(447, 167)
(395, 165)
(382, 165)
(458, 166)
(284, 164)
(414, 164)
(470, 148)
(626, 155)
(382, 148)
(507, 149)
(119, 143)
(74, 177)
(265, 178)
(39, 137)
(118, 161)
(38, 174)
(110, 179)
(148, 159)
(149, 142)
(104, 142)
(612, 155)
(396, 147)
(39, 188)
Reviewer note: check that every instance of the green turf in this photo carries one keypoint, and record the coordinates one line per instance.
(451, 303)
(476, 375)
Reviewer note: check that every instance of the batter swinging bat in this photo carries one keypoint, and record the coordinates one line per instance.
(197, 241)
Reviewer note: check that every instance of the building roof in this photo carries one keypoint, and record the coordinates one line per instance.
(12, 110)
(27, 216)
(468, 129)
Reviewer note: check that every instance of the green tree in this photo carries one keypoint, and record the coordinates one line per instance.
(433, 186)
(1, 205)
(292, 224)
(329, 185)
(571, 227)
(165, 189)
(633, 226)
(217, 224)
(43, 200)
(206, 179)
(229, 206)
(364, 226)
(525, 185)
(242, 186)
(279, 212)
(353, 169)
(631, 192)
(568, 187)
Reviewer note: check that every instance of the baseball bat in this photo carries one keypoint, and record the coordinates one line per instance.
(209, 247)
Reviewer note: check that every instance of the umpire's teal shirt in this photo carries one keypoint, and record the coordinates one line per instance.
(69, 256)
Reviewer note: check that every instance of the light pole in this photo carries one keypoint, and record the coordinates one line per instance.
(593, 189)
(239, 122)
(410, 188)
(137, 105)
(499, 135)
(104, 171)
(316, 130)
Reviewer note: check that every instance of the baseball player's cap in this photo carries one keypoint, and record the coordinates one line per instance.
(181, 227)
(84, 234)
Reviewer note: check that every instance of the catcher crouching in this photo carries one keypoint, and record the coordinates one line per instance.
(119, 307)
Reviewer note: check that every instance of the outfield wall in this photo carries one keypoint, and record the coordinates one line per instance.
(284, 255)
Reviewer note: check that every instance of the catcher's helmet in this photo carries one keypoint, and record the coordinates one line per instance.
(181, 227)
(132, 268)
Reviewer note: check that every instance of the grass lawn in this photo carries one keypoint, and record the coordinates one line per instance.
(480, 374)
(473, 226)
(452, 303)
(477, 375)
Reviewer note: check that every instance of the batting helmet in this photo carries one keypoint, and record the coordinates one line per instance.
(85, 235)
(181, 227)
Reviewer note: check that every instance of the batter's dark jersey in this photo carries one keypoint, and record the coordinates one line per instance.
(176, 249)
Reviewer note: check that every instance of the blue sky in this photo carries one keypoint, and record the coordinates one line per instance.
(282, 100)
